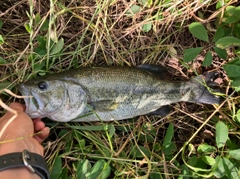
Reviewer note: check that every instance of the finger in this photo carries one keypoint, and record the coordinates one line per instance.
(38, 125)
(35, 120)
(43, 135)
(17, 106)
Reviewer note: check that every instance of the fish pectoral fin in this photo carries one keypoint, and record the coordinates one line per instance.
(104, 105)
(162, 111)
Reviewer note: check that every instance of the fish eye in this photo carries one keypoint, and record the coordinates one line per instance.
(42, 85)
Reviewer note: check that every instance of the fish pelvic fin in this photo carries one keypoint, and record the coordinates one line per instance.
(206, 91)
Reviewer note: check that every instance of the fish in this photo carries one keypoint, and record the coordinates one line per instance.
(109, 93)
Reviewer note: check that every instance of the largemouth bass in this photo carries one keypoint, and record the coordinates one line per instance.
(108, 93)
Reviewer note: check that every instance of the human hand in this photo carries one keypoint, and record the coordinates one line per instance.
(19, 135)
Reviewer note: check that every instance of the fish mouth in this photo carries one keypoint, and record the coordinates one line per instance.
(34, 105)
(23, 90)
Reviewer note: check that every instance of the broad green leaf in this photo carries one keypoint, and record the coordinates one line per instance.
(155, 176)
(235, 153)
(235, 61)
(57, 168)
(237, 88)
(64, 173)
(220, 4)
(222, 53)
(218, 34)
(106, 172)
(208, 59)
(194, 163)
(218, 168)
(42, 73)
(83, 167)
(100, 168)
(2, 60)
(112, 130)
(157, 146)
(231, 19)
(232, 70)
(146, 137)
(208, 160)
(1, 24)
(134, 9)
(96, 169)
(63, 132)
(230, 10)
(57, 47)
(170, 149)
(231, 171)
(45, 25)
(168, 137)
(235, 82)
(237, 11)
(140, 151)
(191, 53)
(185, 173)
(192, 160)
(205, 148)
(39, 65)
(199, 31)
(234, 15)
(226, 42)
(147, 27)
(221, 134)
(37, 18)
(41, 49)
(236, 32)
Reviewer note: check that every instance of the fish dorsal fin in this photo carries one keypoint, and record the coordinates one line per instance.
(103, 105)
(157, 70)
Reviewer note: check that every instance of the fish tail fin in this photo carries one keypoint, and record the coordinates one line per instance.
(208, 97)
(206, 90)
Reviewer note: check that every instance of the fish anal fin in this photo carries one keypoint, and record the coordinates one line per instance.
(162, 111)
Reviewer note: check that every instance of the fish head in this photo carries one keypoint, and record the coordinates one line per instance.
(58, 99)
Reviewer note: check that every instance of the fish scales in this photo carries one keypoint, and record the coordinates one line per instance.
(127, 93)
(106, 93)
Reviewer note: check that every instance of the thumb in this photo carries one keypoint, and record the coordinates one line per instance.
(17, 106)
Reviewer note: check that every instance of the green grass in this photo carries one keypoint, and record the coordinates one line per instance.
(49, 37)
